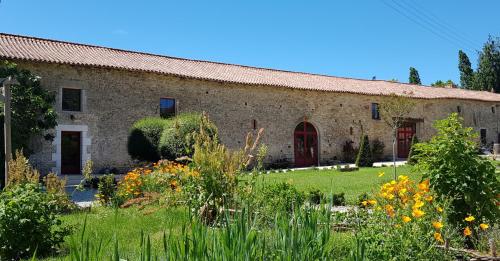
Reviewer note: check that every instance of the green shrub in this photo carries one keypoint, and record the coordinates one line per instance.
(338, 199)
(177, 139)
(364, 158)
(378, 150)
(458, 173)
(144, 138)
(315, 196)
(361, 198)
(106, 189)
(412, 155)
(28, 223)
(349, 152)
(279, 198)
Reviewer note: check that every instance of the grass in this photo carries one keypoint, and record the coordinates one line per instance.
(329, 181)
(126, 225)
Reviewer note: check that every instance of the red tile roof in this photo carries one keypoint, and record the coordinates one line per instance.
(18, 47)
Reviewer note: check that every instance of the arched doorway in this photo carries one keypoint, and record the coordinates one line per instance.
(305, 140)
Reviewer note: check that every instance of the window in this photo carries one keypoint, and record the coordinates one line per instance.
(375, 111)
(71, 99)
(492, 109)
(167, 107)
(254, 124)
(459, 109)
(483, 136)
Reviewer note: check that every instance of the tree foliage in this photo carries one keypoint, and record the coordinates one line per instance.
(457, 173)
(466, 72)
(448, 83)
(414, 76)
(487, 77)
(32, 109)
(412, 155)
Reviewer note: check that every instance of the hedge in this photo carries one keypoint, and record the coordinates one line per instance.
(144, 138)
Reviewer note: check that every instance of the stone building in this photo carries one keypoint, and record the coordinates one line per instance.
(307, 117)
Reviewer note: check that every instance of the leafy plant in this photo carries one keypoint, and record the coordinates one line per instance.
(364, 158)
(338, 199)
(315, 196)
(279, 198)
(21, 172)
(28, 222)
(106, 189)
(456, 172)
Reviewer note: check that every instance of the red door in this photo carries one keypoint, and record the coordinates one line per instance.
(305, 145)
(405, 134)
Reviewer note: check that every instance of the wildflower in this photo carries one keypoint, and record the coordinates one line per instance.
(484, 226)
(381, 174)
(437, 224)
(417, 213)
(439, 209)
(470, 218)
(402, 177)
(438, 237)
(467, 232)
(424, 185)
(418, 204)
(389, 210)
(364, 203)
(372, 202)
(406, 219)
(429, 198)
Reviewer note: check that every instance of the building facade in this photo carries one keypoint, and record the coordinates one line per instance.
(306, 118)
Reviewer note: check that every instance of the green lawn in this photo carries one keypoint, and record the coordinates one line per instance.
(332, 181)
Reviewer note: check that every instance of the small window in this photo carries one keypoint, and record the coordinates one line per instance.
(254, 124)
(459, 109)
(483, 136)
(375, 111)
(167, 107)
(492, 109)
(71, 99)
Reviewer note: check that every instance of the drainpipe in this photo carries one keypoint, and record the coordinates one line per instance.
(5, 98)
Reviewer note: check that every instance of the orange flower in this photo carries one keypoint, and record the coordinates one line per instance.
(406, 219)
(437, 224)
(389, 210)
(417, 213)
(438, 237)
(467, 232)
(424, 185)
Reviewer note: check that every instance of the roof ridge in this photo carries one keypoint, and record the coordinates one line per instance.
(206, 61)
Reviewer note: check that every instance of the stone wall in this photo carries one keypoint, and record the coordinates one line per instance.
(114, 99)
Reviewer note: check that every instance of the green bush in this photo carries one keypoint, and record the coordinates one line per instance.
(315, 196)
(28, 223)
(338, 199)
(144, 138)
(412, 155)
(378, 150)
(365, 158)
(349, 152)
(177, 139)
(456, 172)
(279, 198)
(106, 189)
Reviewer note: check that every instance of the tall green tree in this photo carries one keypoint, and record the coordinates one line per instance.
(487, 77)
(466, 72)
(414, 76)
(32, 109)
(448, 83)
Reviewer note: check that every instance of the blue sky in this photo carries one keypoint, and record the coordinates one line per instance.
(350, 38)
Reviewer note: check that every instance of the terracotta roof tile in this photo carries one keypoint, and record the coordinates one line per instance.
(43, 50)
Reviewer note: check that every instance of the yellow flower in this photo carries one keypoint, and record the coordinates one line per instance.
(470, 218)
(372, 202)
(429, 198)
(381, 174)
(467, 232)
(406, 219)
(389, 210)
(439, 209)
(418, 204)
(402, 177)
(437, 224)
(484, 226)
(417, 213)
(438, 237)
(364, 203)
